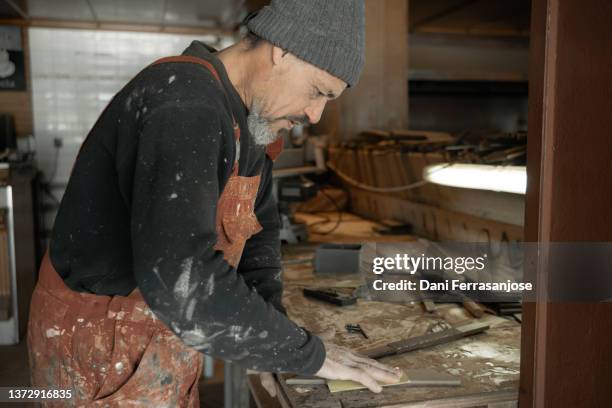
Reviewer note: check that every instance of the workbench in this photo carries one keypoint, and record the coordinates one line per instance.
(487, 364)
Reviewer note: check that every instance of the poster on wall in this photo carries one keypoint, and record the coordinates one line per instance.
(12, 67)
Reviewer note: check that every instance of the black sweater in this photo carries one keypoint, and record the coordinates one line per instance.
(140, 209)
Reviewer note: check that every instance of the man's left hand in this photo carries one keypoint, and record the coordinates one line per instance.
(267, 379)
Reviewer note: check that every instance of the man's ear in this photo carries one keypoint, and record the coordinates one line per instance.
(277, 55)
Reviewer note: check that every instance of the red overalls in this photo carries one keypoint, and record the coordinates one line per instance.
(113, 351)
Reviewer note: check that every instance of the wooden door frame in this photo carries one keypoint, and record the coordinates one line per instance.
(564, 361)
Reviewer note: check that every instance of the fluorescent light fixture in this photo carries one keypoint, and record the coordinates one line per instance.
(509, 179)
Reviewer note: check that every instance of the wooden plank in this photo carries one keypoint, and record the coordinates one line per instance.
(421, 137)
(402, 175)
(412, 194)
(363, 166)
(381, 168)
(358, 168)
(414, 378)
(493, 205)
(290, 396)
(464, 401)
(564, 205)
(424, 341)
(432, 222)
(368, 166)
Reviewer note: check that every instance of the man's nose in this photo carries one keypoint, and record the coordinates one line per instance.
(315, 111)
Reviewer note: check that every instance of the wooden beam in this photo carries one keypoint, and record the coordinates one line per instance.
(565, 359)
(114, 26)
(485, 32)
(432, 222)
(442, 13)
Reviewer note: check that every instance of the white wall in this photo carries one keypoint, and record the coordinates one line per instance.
(74, 75)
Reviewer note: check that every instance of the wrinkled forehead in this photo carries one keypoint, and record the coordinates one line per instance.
(329, 84)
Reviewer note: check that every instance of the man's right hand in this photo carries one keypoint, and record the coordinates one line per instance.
(342, 364)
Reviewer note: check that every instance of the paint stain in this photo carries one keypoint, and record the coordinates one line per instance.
(52, 332)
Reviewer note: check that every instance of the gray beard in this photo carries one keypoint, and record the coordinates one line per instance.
(259, 127)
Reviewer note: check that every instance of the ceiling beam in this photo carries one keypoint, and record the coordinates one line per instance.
(18, 9)
(442, 13)
(492, 31)
(503, 17)
(114, 26)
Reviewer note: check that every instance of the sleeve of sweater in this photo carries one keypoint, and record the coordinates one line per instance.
(181, 161)
(260, 264)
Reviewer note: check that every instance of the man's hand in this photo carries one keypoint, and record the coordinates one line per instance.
(268, 382)
(342, 364)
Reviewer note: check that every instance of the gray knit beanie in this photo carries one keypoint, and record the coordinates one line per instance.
(326, 33)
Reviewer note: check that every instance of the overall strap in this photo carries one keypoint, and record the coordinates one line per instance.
(213, 71)
(272, 150)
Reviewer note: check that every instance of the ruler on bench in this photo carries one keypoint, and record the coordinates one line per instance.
(427, 340)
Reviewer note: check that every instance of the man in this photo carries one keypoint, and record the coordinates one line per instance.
(166, 243)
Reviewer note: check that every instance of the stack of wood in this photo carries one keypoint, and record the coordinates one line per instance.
(385, 160)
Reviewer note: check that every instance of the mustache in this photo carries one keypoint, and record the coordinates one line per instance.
(302, 120)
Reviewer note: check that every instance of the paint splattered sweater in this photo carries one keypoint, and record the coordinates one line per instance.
(140, 209)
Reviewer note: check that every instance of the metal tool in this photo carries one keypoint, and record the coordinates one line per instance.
(356, 328)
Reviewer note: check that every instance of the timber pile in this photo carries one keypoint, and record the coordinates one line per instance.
(386, 160)
(375, 164)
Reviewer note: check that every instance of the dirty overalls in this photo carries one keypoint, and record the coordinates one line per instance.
(111, 351)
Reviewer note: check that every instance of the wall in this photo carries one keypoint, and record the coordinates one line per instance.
(456, 107)
(461, 82)
(75, 73)
(20, 103)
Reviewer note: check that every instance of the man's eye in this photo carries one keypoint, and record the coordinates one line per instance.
(317, 93)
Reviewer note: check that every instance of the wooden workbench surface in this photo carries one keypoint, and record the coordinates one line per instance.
(487, 364)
